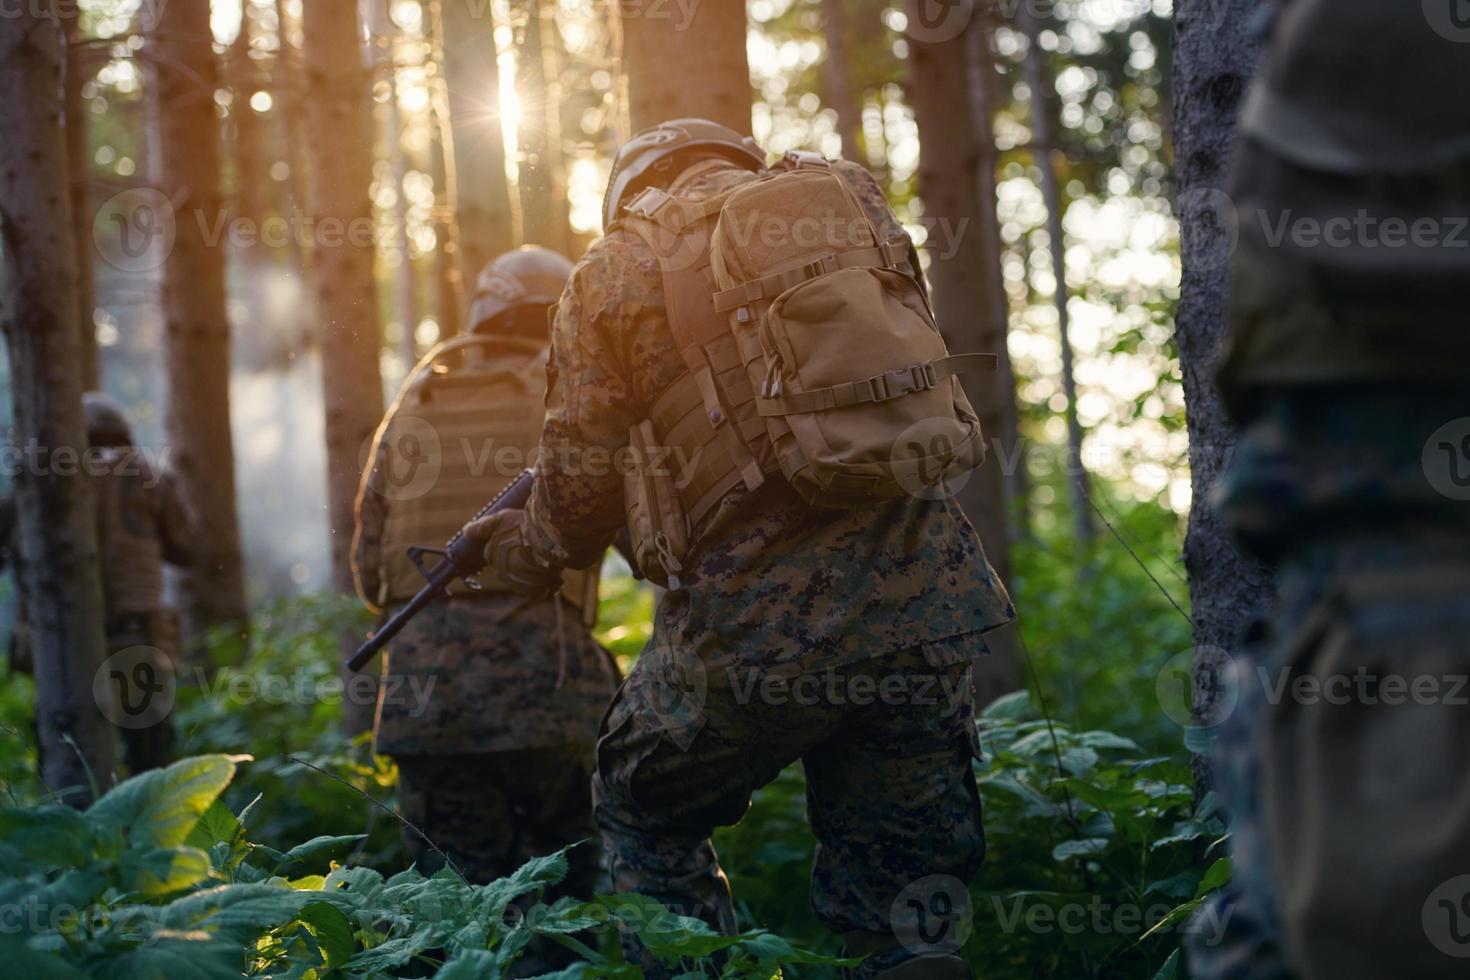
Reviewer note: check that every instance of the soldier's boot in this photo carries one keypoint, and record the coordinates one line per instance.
(928, 968)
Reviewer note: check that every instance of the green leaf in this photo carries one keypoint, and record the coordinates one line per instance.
(158, 808)
(1170, 969)
(1078, 760)
(22, 961)
(163, 870)
(1069, 849)
(194, 956)
(471, 964)
(240, 912)
(41, 838)
(1217, 875)
(217, 826)
(1008, 707)
(319, 847)
(332, 931)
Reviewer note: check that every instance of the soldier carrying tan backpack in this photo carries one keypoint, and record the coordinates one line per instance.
(489, 701)
(757, 346)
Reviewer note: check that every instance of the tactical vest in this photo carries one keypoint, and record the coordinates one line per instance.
(474, 428)
(811, 353)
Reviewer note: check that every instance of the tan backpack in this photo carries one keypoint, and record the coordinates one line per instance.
(811, 347)
(471, 430)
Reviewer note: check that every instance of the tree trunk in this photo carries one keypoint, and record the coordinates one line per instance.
(1039, 81)
(541, 179)
(79, 155)
(1007, 439)
(346, 292)
(939, 89)
(403, 281)
(185, 156)
(452, 284)
(681, 63)
(841, 95)
(248, 170)
(1214, 57)
(55, 501)
(482, 189)
(290, 110)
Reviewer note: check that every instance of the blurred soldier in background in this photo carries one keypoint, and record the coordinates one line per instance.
(1346, 372)
(142, 522)
(489, 701)
(764, 583)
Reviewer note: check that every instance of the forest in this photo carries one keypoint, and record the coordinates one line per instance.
(247, 221)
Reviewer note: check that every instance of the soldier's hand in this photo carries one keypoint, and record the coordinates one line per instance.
(509, 564)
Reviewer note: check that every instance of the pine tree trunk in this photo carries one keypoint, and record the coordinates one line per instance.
(184, 136)
(406, 306)
(482, 189)
(79, 155)
(55, 501)
(841, 95)
(448, 276)
(1043, 141)
(541, 179)
(686, 62)
(1006, 440)
(939, 90)
(248, 170)
(290, 110)
(1214, 57)
(339, 96)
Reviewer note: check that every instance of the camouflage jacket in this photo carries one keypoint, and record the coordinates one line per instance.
(143, 522)
(771, 582)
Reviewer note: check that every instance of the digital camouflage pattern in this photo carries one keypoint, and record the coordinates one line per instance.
(891, 792)
(770, 584)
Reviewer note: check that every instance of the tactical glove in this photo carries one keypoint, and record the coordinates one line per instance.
(509, 564)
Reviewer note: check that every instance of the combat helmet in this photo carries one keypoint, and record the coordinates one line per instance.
(530, 276)
(654, 152)
(107, 423)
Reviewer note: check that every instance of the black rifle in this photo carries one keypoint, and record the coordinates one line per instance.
(460, 558)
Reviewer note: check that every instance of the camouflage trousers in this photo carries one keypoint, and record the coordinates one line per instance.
(153, 637)
(1343, 770)
(491, 812)
(888, 745)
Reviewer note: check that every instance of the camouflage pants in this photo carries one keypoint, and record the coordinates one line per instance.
(1344, 770)
(149, 746)
(888, 745)
(492, 812)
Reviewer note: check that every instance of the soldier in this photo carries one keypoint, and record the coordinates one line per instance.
(769, 589)
(143, 522)
(489, 701)
(1345, 370)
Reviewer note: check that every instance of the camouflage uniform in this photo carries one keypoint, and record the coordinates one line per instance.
(773, 589)
(489, 703)
(1346, 363)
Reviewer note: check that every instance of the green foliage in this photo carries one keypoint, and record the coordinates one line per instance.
(158, 878)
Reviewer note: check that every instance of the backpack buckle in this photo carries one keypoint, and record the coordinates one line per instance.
(826, 265)
(647, 203)
(903, 381)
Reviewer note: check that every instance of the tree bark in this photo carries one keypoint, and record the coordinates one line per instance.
(248, 170)
(55, 500)
(448, 274)
(541, 177)
(79, 156)
(403, 280)
(837, 70)
(939, 89)
(339, 95)
(184, 136)
(1214, 57)
(482, 189)
(1007, 440)
(1043, 143)
(680, 64)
